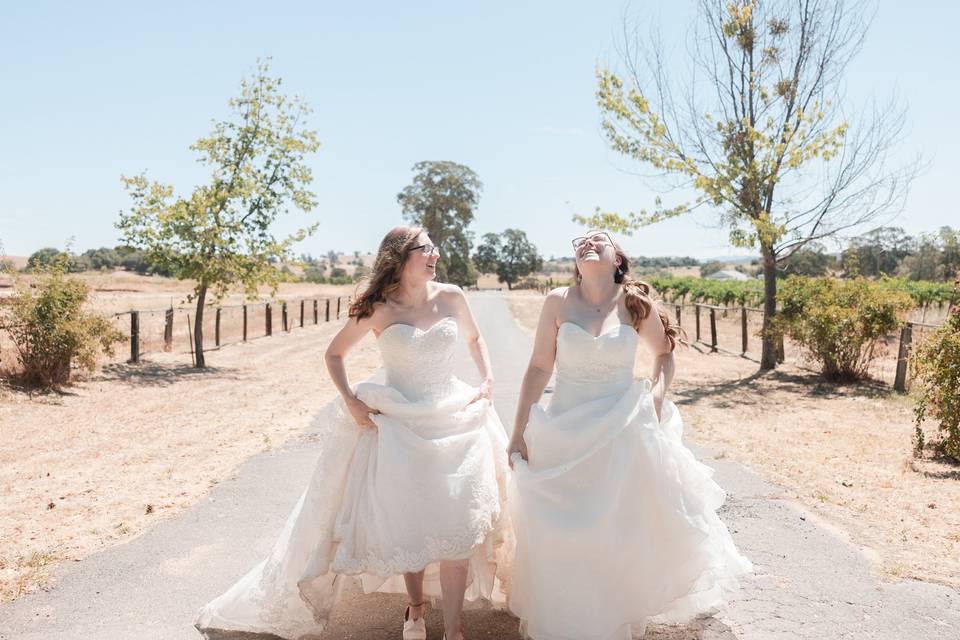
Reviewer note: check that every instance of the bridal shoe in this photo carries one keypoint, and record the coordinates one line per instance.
(414, 629)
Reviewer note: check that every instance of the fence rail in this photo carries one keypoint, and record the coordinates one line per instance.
(156, 330)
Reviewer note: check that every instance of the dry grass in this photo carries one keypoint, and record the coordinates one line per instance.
(844, 451)
(99, 462)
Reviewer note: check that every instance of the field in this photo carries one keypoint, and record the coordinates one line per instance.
(104, 459)
(844, 451)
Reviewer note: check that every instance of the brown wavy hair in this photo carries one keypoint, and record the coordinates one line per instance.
(639, 300)
(385, 278)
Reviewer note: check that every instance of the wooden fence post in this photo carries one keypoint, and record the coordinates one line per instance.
(283, 315)
(906, 337)
(678, 307)
(696, 308)
(328, 310)
(301, 313)
(781, 355)
(216, 329)
(134, 336)
(168, 330)
(268, 319)
(743, 328)
(316, 311)
(338, 307)
(713, 329)
(244, 323)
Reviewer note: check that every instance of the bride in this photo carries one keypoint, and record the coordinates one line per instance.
(615, 519)
(411, 477)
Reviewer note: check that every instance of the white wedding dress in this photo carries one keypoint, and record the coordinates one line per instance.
(615, 519)
(426, 485)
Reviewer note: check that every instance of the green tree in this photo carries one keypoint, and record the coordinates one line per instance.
(877, 252)
(509, 254)
(710, 268)
(754, 127)
(442, 199)
(46, 258)
(811, 260)
(924, 261)
(220, 234)
(950, 258)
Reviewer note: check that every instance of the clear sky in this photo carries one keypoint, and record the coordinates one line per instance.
(94, 90)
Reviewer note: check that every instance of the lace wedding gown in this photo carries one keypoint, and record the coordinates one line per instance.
(615, 519)
(426, 485)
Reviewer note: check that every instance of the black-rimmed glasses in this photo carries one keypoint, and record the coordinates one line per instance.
(426, 249)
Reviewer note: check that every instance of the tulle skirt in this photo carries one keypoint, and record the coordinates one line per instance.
(615, 521)
(427, 485)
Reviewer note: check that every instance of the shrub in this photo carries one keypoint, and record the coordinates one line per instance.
(839, 322)
(936, 375)
(52, 333)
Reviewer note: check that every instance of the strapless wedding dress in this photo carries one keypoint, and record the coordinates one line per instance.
(426, 485)
(615, 519)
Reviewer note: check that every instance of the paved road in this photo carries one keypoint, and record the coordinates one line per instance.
(809, 581)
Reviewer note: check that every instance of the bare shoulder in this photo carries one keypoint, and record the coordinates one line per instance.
(557, 297)
(449, 291)
(381, 317)
(555, 301)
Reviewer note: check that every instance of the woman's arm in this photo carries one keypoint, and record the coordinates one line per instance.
(475, 342)
(652, 334)
(349, 335)
(539, 369)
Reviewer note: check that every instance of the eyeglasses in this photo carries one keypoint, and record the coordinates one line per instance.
(600, 236)
(426, 249)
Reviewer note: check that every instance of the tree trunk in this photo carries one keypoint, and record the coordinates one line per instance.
(198, 328)
(768, 355)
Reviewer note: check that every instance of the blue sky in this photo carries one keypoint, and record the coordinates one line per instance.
(95, 90)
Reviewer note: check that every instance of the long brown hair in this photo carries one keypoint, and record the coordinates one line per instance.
(385, 278)
(639, 300)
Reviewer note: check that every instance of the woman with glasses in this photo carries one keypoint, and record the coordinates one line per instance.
(408, 491)
(615, 519)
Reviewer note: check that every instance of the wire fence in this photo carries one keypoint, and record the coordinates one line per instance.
(737, 330)
(170, 330)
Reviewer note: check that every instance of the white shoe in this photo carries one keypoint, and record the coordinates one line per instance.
(414, 629)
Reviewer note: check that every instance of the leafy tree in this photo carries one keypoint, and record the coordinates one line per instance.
(924, 260)
(950, 246)
(46, 258)
(755, 127)
(510, 255)
(442, 199)
(877, 252)
(220, 234)
(811, 260)
(710, 268)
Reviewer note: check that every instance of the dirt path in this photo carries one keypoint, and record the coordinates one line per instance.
(134, 444)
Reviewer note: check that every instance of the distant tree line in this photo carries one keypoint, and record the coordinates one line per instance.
(885, 251)
(102, 259)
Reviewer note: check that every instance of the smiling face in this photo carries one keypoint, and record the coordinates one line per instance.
(596, 251)
(421, 266)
